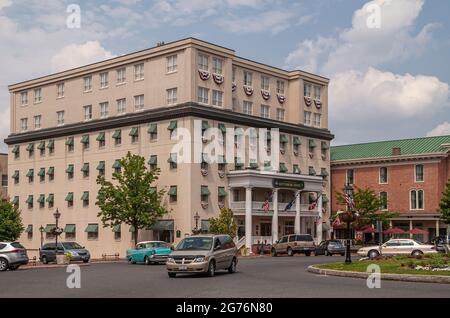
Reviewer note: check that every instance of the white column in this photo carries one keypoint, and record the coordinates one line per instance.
(437, 227)
(319, 220)
(275, 216)
(248, 218)
(410, 228)
(297, 213)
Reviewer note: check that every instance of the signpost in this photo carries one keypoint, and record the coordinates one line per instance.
(380, 234)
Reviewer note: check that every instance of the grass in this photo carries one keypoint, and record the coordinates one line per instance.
(396, 265)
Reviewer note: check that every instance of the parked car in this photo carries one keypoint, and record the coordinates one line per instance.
(76, 252)
(12, 255)
(294, 243)
(329, 248)
(398, 247)
(149, 252)
(203, 254)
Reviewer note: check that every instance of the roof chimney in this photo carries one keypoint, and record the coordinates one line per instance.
(396, 151)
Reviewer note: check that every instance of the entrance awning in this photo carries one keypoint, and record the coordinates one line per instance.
(162, 225)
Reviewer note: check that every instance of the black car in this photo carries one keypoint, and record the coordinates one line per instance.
(439, 242)
(330, 247)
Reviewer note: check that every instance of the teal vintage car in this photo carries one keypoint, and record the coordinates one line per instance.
(149, 252)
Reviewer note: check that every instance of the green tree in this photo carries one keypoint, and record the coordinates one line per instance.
(444, 205)
(10, 221)
(223, 224)
(130, 199)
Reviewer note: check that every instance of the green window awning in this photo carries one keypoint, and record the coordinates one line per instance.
(172, 125)
(116, 228)
(117, 134)
(296, 140)
(153, 160)
(16, 149)
(49, 228)
(325, 198)
(134, 132)
(311, 171)
(283, 139)
(172, 158)
(69, 197)
(101, 166)
(222, 128)
(51, 198)
(30, 173)
(30, 147)
(85, 167)
(40, 199)
(152, 129)
(41, 172)
(70, 228)
(162, 225)
(324, 172)
(324, 145)
(70, 141)
(16, 174)
(253, 164)
(41, 145)
(153, 190)
(312, 143)
(296, 169)
(221, 160)
(238, 162)
(283, 168)
(172, 190)
(51, 144)
(221, 192)
(116, 164)
(29, 229)
(15, 201)
(29, 199)
(204, 190)
(132, 229)
(267, 165)
(85, 196)
(238, 131)
(205, 158)
(91, 228)
(51, 171)
(70, 168)
(311, 198)
(205, 124)
(101, 136)
(85, 139)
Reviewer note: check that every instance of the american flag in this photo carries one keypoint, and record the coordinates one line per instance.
(313, 205)
(266, 204)
(290, 204)
(349, 201)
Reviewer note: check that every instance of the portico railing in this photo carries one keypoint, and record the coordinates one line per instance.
(258, 206)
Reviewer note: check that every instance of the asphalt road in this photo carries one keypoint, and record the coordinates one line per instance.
(258, 277)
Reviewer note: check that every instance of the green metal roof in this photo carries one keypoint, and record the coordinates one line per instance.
(380, 149)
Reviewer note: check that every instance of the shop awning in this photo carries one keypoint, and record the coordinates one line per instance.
(324, 145)
(92, 228)
(70, 228)
(30, 147)
(30, 173)
(16, 149)
(85, 167)
(16, 174)
(49, 228)
(162, 225)
(116, 164)
(172, 158)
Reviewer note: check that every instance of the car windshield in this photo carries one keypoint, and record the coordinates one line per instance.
(420, 243)
(72, 246)
(195, 243)
(17, 245)
(335, 243)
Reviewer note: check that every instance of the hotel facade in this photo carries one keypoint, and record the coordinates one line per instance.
(69, 127)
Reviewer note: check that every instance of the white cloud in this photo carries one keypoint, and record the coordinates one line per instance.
(440, 130)
(5, 3)
(74, 55)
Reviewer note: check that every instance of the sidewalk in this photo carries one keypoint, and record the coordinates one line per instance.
(39, 265)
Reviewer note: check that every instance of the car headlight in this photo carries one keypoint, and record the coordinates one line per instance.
(170, 260)
(199, 259)
(73, 253)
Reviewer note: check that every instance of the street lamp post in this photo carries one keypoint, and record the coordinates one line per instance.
(348, 218)
(41, 230)
(196, 218)
(57, 215)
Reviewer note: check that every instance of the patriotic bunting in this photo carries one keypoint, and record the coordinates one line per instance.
(233, 87)
(218, 78)
(248, 90)
(281, 98)
(265, 94)
(204, 75)
(308, 101)
(318, 103)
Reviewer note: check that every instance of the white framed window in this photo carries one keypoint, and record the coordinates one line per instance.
(217, 65)
(307, 90)
(417, 198)
(104, 80)
(121, 105)
(265, 83)
(419, 173)
(317, 120)
(172, 96)
(121, 75)
(37, 95)
(203, 61)
(307, 118)
(217, 98)
(384, 200)
(203, 95)
(248, 78)
(104, 110)
(37, 121)
(280, 114)
(265, 111)
(139, 102)
(247, 107)
(24, 124)
(60, 90)
(139, 72)
(87, 112)
(280, 87)
(350, 176)
(317, 90)
(24, 98)
(60, 117)
(87, 83)
(383, 175)
(172, 63)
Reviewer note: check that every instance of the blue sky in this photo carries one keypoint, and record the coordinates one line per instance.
(386, 83)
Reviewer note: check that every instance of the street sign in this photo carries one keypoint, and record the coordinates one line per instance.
(290, 184)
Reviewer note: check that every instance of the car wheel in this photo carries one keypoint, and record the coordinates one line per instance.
(290, 252)
(342, 254)
(3, 264)
(416, 253)
(211, 269)
(308, 253)
(273, 252)
(327, 253)
(373, 254)
(172, 275)
(14, 267)
(85, 261)
(232, 268)
(44, 260)
(147, 261)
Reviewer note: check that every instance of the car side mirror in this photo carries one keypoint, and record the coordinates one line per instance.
(217, 247)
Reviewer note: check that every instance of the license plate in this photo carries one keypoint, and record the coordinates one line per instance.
(182, 268)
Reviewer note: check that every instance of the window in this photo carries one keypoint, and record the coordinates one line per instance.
(153, 162)
(16, 176)
(317, 118)
(383, 175)
(51, 146)
(30, 175)
(173, 193)
(139, 72)
(85, 170)
(134, 133)
(248, 78)
(24, 124)
(350, 176)
(70, 144)
(307, 90)
(117, 136)
(60, 117)
(419, 173)
(24, 98)
(117, 166)
(85, 141)
(280, 114)
(104, 80)
(87, 112)
(37, 95)
(217, 65)
(317, 92)
(50, 200)
(247, 107)
(101, 168)
(41, 175)
(51, 173)
(203, 95)
(60, 90)
(384, 200)
(280, 87)
(203, 62)
(4, 180)
(171, 96)
(87, 83)
(121, 75)
(92, 231)
(265, 111)
(265, 83)
(104, 110)
(139, 102)
(70, 171)
(85, 198)
(307, 118)
(217, 97)
(153, 131)
(417, 200)
(173, 161)
(101, 139)
(117, 232)
(70, 231)
(171, 63)
(204, 194)
(69, 199)
(121, 105)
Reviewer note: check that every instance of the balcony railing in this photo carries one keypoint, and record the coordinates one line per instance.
(256, 206)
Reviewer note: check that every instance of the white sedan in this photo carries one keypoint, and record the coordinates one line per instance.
(398, 247)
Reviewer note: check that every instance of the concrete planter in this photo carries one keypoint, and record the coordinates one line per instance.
(62, 259)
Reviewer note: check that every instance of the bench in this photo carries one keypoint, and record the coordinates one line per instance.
(106, 257)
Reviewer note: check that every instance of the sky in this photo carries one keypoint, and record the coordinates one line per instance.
(387, 60)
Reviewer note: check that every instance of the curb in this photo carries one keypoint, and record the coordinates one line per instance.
(395, 277)
(42, 266)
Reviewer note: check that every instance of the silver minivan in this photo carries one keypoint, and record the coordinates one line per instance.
(12, 255)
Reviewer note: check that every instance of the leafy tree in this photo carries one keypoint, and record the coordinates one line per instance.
(444, 205)
(130, 198)
(223, 224)
(10, 221)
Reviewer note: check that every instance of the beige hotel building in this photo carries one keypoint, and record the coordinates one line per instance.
(69, 127)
